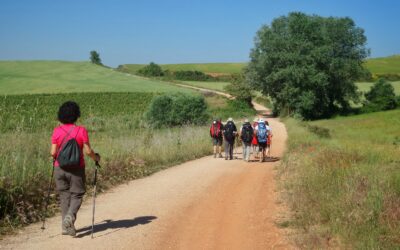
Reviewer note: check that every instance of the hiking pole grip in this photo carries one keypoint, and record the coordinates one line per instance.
(48, 196)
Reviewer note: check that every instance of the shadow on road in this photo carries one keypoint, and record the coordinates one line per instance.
(110, 224)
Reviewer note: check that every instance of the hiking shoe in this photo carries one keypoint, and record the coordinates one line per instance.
(226, 158)
(68, 225)
(220, 155)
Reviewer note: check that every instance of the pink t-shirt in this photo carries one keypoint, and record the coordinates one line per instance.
(78, 132)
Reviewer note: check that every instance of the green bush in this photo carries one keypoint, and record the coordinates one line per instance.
(380, 97)
(176, 110)
(240, 89)
(151, 70)
(187, 75)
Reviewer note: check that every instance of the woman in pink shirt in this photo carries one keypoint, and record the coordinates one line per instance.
(70, 182)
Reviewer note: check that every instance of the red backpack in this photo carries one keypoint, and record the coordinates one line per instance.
(215, 130)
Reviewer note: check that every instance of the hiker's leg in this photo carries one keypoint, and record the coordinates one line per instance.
(244, 150)
(226, 149)
(248, 149)
(62, 186)
(77, 190)
(231, 149)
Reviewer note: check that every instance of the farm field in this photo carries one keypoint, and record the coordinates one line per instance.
(357, 156)
(384, 65)
(207, 85)
(34, 77)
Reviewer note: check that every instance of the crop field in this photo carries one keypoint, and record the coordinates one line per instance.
(343, 174)
(384, 65)
(33, 77)
(222, 68)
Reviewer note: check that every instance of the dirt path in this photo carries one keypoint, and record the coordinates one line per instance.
(203, 204)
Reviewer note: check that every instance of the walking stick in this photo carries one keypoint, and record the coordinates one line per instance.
(97, 165)
(48, 196)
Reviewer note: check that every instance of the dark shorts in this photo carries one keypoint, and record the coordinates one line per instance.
(262, 146)
(217, 141)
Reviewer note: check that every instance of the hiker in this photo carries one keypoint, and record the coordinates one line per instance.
(254, 142)
(69, 175)
(230, 132)
(269, 140)
(216, 135)
(262, 138)
(246, 134)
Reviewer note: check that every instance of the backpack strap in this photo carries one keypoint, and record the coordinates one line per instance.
(65, 137)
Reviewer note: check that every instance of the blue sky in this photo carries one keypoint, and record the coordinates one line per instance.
(170, 31)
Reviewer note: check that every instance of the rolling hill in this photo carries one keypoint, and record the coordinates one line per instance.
(30, 77)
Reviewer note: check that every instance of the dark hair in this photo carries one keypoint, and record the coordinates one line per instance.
(69, 112)
(266, 123)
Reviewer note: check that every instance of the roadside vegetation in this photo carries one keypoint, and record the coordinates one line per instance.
(131, 147)
(341, 178)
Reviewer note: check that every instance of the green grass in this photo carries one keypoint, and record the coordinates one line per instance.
(366, 86)
(342, 181)
(222, 68)
(384, 65)
(32, 77)
(207, 85)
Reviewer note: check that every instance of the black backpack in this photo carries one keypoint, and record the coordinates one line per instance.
(228, 133)
(247, 133)
(69, 155)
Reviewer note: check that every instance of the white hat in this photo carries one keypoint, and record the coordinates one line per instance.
(246, 120)
(230, 119)
(261, 120)
(255, 119)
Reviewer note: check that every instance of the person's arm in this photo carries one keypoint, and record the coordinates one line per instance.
(89, 152)
(53, 150)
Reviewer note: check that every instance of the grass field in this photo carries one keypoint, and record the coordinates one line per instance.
(384, 65)
(342, 181)
(207, 85)
(366, 86)
(224, 68)
(33, 77)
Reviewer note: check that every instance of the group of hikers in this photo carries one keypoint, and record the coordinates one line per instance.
(256, 138)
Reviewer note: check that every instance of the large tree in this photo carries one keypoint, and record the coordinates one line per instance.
(308, 64)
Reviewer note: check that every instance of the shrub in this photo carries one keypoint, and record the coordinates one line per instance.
(176, 109)
(187, 75)
(380, 97)
(151, 70)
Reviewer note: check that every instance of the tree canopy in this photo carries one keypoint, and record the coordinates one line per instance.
(151, 70)
(95, 57)
(308, 64)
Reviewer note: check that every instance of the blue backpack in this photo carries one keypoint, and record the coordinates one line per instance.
(262, 133)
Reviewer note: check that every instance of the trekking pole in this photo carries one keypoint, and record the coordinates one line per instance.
(48, 196)
(94, 193)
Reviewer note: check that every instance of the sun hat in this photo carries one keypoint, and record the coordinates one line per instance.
(246, 120)
(230, 119)
(255, 119)
(261, 121)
